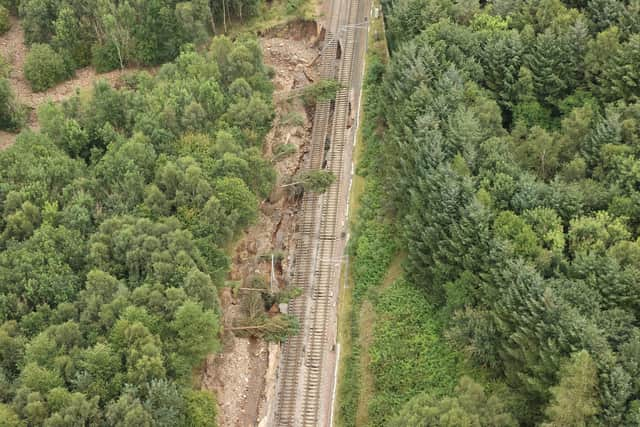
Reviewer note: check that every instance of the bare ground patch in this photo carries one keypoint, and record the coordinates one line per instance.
(6, 139)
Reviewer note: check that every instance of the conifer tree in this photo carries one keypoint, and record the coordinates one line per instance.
(575, 400)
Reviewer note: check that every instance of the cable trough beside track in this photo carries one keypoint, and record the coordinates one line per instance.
(299, 390)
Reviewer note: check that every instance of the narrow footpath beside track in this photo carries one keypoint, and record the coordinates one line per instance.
(306, 372)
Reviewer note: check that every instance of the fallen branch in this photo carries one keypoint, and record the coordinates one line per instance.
(245, 328)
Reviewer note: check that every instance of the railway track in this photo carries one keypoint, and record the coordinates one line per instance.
(294, 348)
(299, 389)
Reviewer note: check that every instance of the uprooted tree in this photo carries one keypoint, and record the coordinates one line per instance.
(317, 181)
(256, 321)
(323, 90)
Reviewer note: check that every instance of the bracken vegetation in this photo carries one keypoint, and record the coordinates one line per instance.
(506, 140)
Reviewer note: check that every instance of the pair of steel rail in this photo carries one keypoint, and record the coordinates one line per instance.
(300, 374)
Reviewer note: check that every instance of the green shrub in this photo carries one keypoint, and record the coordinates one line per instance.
(284, 150)
(200, 408)
(5, 24)
(255, 281)
(105, 57)
(10, 5)
(12, 114)
(44, 67)
(293, 119)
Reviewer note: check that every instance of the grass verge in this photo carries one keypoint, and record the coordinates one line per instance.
(371, 249)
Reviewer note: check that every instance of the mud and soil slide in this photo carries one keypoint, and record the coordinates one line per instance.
(243, 375)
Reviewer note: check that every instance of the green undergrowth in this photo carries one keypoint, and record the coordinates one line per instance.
(392, 341)
(408, 354)
(372, 248)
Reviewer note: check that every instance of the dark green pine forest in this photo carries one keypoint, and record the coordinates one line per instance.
(116, 216)
(503, 148)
